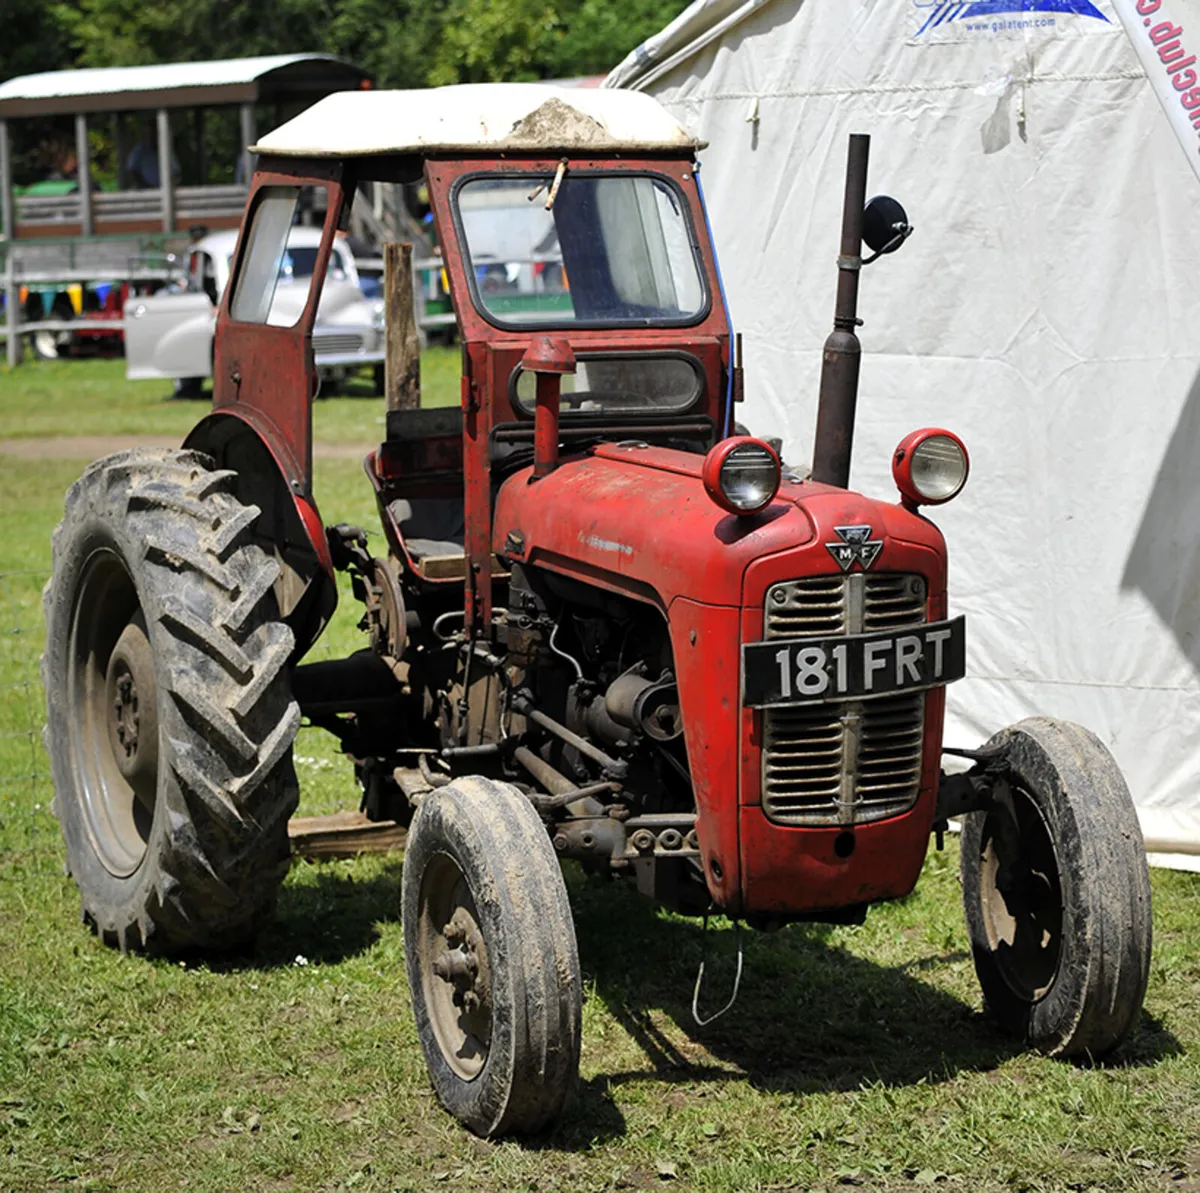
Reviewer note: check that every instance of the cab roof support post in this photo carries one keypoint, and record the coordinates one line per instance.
(402, 344)
(7, 211)
(166, 173)
(249, 136)
(84, 165)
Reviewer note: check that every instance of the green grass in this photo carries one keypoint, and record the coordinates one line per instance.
(72, 397)
(856, 1058)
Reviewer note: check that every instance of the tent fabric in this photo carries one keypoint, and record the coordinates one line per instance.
(1163, 47)
(1046, 309)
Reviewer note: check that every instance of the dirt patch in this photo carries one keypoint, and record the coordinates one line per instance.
(92, 447)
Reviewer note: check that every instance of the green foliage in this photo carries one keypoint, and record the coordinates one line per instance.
(403, 43)
(486, 40)
(511, 40)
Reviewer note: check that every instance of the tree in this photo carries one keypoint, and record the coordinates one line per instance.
(403, 43)
(34, 40)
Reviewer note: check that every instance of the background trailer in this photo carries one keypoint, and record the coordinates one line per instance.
(1047, 309)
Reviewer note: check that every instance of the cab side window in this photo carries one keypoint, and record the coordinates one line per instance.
(257, 295)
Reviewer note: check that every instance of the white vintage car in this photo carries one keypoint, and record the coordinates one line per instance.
(170, 334)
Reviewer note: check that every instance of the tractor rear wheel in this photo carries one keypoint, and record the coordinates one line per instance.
(1057, 893)
(491, 957)
(170, 717)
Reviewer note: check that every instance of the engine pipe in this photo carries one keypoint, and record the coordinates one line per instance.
(834, 440)
(548, 359)
(578, 801)
(523, 705)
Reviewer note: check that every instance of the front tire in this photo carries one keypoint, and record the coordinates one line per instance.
(1057, 893)
(170, 718)
(491, 957)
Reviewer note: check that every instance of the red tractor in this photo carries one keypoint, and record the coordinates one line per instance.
(605, 626)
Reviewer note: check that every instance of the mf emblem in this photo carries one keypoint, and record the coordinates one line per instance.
(856, 545)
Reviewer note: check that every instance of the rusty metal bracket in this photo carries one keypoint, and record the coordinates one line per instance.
(973, 791)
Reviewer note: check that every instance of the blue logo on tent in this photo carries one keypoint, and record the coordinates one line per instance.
(946, 12)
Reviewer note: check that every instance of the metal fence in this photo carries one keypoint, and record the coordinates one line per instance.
(27, 828)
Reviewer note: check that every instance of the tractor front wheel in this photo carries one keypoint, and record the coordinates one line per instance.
(1057, 893)
(169, 710)
(491, 957)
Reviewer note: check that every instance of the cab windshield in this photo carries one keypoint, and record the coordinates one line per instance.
(610, 250)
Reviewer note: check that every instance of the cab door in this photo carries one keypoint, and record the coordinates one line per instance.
(263, 360)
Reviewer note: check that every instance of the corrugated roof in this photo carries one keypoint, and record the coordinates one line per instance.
(175, 84)
(478, 116)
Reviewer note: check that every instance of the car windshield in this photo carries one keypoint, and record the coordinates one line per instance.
(610, 250)
(300, 263)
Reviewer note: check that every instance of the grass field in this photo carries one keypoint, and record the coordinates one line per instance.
(855, 1057)
(53, 398)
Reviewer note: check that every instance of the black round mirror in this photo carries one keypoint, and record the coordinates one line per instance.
(885, 225)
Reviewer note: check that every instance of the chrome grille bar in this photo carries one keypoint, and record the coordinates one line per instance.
(855, 761)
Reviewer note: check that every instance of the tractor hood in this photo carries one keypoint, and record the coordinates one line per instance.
(637, 520)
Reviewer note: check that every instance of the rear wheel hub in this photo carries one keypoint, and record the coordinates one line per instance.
(132, 698)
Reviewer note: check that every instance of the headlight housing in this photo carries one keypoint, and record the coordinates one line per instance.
(741, 475)
(930, 466)
(378, 316)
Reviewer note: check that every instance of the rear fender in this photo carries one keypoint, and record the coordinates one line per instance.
(289, 527)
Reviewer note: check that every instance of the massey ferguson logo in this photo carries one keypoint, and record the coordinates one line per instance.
(857, 545)
(998, 15)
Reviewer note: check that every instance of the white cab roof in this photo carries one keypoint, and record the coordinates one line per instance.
(475, 117)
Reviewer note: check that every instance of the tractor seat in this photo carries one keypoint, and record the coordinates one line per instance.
(430, 525)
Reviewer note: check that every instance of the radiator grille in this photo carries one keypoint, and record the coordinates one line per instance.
(331, 343)
(854, 761)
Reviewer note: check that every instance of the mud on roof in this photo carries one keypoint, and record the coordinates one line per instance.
(504, 117)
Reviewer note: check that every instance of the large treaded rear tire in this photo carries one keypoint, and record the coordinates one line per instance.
(1064, 956)
(189, 854)
(478, 857)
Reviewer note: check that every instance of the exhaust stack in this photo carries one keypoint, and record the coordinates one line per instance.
(834, 440)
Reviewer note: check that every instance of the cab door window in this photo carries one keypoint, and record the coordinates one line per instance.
(258, 296)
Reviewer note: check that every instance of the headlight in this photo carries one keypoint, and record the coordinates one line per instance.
(741, 475)
(930, 466)
(378, 316)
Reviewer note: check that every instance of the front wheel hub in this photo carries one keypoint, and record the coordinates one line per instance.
(458, 979)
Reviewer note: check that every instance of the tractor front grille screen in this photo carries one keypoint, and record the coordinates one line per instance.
(852, 761)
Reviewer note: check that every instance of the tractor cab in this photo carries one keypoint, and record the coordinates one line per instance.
(568, 217)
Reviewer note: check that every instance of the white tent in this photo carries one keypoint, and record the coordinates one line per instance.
(1047, 309)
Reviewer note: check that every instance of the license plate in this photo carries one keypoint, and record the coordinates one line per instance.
(853, 666)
